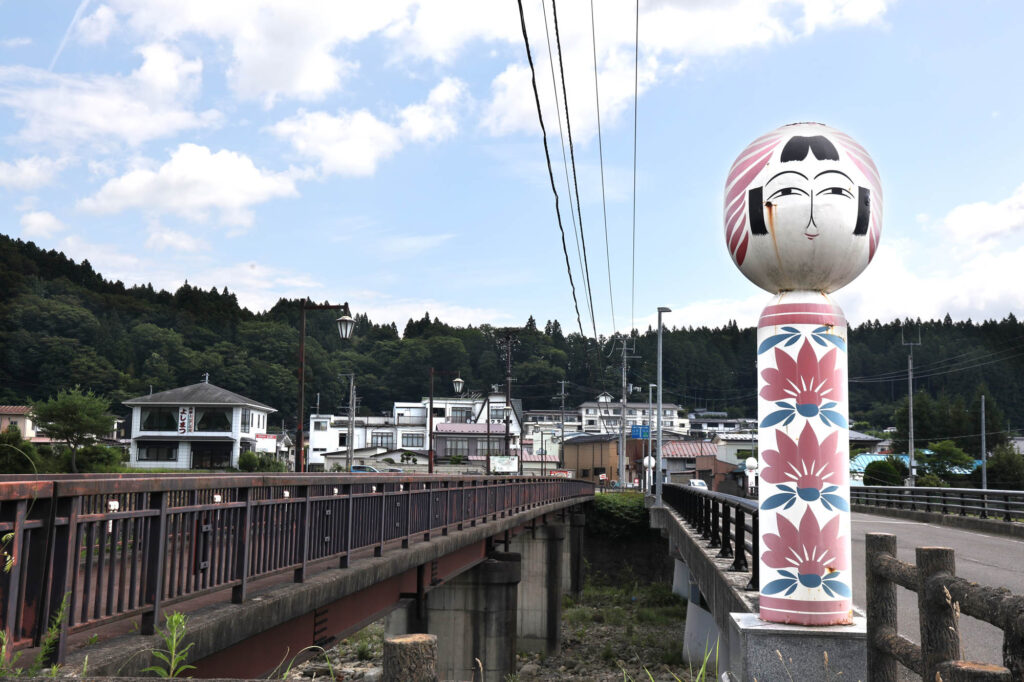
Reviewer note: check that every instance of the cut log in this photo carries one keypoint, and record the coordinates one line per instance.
(410, 658)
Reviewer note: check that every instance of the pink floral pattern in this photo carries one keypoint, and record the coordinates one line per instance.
(814, 387)
(805, 468)
(810, 556)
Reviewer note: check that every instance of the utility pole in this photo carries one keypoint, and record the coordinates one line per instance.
(561, 444)
(910, 402)
(350, 439)
(984, 451)
(509, 338)
(622, 425)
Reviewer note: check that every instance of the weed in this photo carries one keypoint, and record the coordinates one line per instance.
(175, 655)
(48, 644)
(92, 640)
(364, 651)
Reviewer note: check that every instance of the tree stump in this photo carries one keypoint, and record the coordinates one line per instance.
(410, 658)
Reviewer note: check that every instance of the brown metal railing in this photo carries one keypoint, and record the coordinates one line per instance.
(1007, 505)
(129, 545)
(942, 598)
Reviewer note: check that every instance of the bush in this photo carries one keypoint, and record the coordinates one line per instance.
(248, 461)
(94, 459)
(271, 464)
(930, 480)
(882, 472)
(19, 456)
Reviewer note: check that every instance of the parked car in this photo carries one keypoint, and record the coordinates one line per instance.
(393, 470)
(697, 483)
(364, 469)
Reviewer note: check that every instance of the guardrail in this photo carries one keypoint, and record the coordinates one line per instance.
(1005, 504)
(942, 598)
(721, 520)
(122, 545)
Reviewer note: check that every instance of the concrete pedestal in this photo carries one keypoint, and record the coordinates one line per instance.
(681, 580)
(577, 524)
(474, 617)
(755, 647)
(540, 594)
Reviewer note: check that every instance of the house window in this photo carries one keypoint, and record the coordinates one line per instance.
(498, 413)
(212, 419)
(343, 440)
(438, 413)
(158, 451)
(591, 410)
(412, 440)
(591, 422)
(585, 473)
(495, 447)
(159, 419)
(462, 415)
(384, 439)
(246, 416)
(599, 470)
(320, 425)
(457, 446)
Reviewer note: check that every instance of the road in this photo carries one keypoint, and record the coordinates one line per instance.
(993, 560)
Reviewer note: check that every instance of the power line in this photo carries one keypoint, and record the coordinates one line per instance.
(600, 150)
(894, 376)
(636, 79)
(547, 156)
(572, 156)
(565, 161)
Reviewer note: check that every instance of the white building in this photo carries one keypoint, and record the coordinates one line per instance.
(407, 428)
(604, 415)
(201, 426)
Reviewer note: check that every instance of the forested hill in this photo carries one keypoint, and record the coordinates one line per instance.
(62, 323)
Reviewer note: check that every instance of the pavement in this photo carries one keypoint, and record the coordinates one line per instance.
(993, 560)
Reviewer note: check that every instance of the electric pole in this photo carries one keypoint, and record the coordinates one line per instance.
(622, 424)
(561, 444)
(984, 452)
(509, 339)
(350, 438)
(910, 402)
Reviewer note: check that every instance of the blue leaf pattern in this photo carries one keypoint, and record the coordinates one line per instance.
(777, 500)
(777, 586)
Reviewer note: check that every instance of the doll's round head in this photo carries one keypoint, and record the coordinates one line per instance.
(803, 209)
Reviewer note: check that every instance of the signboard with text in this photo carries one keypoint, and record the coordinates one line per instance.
(560, 473)
(266, 442)
(186, 419)
(504, 464)
(640, 431)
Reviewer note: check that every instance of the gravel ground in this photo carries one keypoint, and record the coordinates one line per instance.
(609, 635)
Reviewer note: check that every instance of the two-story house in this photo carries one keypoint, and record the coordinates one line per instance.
(19, 416)
(605, 415)
(201, 426)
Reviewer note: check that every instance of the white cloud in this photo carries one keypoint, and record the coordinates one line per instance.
(149, 103)
(40, 224)
(978, 222)
(30, 173)
(354, 143)
(97, 27)
(161, 238)
(16, 42)
(403, 246)
(191, 184)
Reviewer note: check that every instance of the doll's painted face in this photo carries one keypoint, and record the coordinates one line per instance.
(800, 213)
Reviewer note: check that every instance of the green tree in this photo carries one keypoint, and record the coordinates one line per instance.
(1005, 469)
(944, 458)
(75, 417)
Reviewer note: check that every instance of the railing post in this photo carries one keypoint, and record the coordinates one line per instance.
(984, 505)
(379, 549)
(714, 542)
(940, 631)
(755, 556)
(963, 504)
(726, 550)
(880, 595)
(1006, 508)
(157, 542)
(16, 556)
(244, 550)
(739, 561)
(303, 530)
(351, 507)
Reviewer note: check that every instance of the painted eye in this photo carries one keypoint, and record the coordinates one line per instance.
(840, 191)
(786, 192)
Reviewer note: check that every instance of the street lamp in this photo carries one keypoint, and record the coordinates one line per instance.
(457, 383)
(647, 452)
(751, 466)
(346, 325)
(657, 473)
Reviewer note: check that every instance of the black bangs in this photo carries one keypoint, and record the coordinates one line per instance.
(820, 146)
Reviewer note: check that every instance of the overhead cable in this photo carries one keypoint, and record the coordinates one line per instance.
(600, 150)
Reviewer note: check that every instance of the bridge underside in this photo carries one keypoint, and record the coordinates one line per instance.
(281, 618)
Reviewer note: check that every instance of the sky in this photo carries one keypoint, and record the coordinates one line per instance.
(389, 154)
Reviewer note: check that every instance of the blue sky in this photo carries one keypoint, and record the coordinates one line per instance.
(388, 153)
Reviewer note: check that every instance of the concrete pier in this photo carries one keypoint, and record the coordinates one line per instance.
(540, 593)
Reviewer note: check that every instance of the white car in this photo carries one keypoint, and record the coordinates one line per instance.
(697, 483)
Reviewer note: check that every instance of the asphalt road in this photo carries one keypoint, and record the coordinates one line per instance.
(992, 560)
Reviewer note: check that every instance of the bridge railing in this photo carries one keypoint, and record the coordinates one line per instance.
(1005, 504)
(942, 599)
(129, 545)
(725, 521)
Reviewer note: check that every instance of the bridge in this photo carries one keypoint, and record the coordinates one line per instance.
(713, 538)
(268, 565)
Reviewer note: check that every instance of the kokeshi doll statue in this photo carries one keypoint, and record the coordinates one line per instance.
(803, 216)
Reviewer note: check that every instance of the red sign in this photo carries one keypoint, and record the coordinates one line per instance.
(603, 477)
(560, 473)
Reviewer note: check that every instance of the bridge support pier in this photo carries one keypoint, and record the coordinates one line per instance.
(540, 593)
(474, 617)
(681, 580)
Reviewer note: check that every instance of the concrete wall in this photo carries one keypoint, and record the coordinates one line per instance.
(540, 590)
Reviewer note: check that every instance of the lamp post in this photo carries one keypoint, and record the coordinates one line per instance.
(647, 452)
(457, 384)
(345, 327)
(657, 473)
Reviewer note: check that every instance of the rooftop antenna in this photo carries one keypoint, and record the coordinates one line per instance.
(206, 377)
(151, 389)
